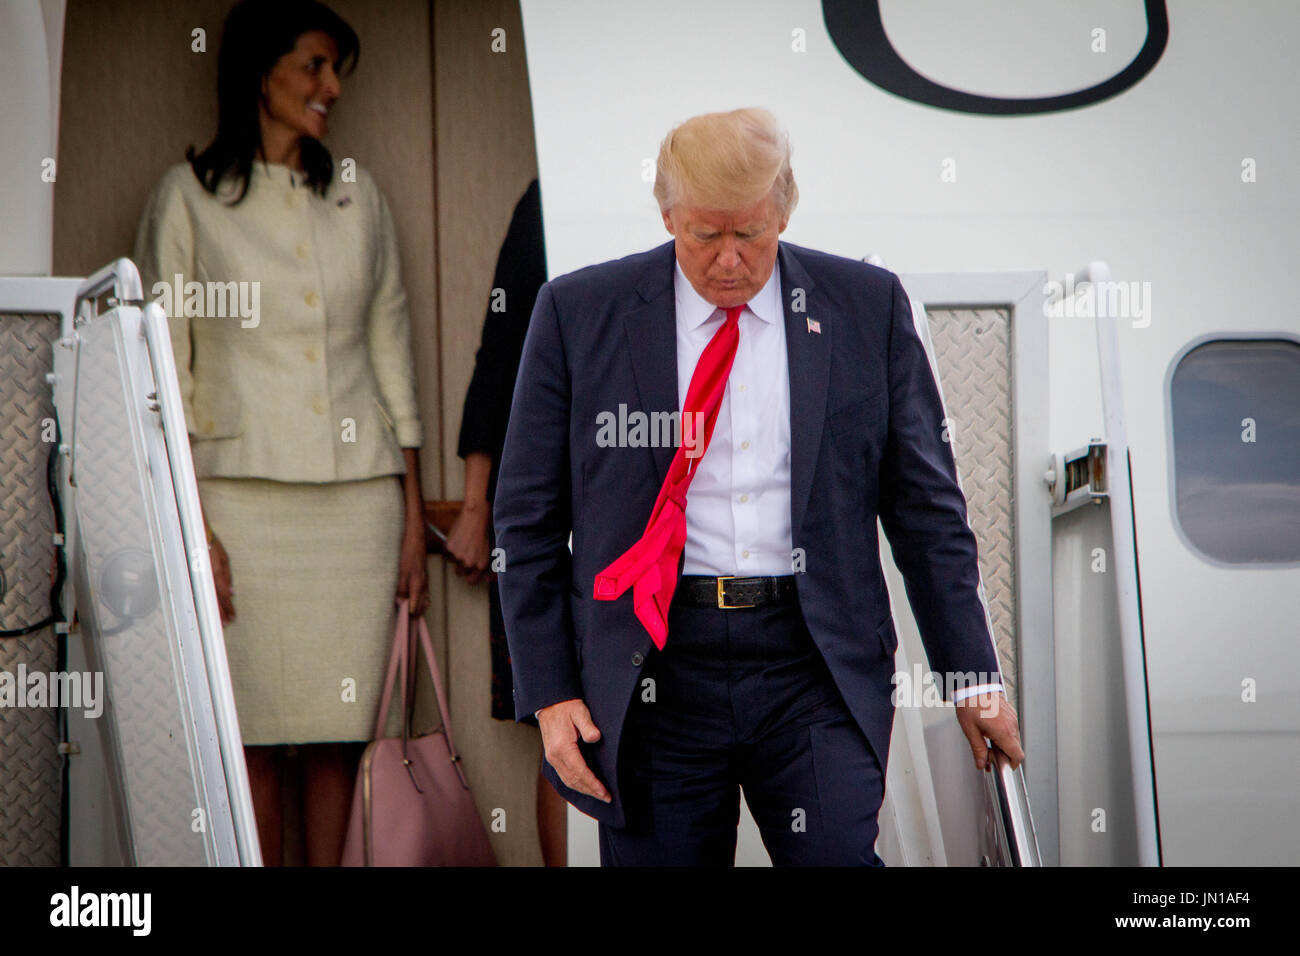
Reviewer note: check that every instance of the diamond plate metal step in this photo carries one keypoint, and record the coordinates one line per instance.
(29, 759)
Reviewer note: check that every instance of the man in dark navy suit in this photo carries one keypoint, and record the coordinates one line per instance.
(719, 422)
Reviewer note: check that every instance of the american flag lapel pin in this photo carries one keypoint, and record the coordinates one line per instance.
(814, 326)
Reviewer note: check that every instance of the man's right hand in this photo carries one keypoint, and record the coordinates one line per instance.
(561, 724)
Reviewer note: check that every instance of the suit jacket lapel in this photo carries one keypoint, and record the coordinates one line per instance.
(651, 332)
(809, 356)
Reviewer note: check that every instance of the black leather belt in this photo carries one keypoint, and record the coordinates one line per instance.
(730, 592)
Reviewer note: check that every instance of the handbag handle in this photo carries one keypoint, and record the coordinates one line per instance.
(397, 657)
(398, 661)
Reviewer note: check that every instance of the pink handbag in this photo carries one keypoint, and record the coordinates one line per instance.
(412, 804)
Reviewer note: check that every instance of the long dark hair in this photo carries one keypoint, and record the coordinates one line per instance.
(257, 33)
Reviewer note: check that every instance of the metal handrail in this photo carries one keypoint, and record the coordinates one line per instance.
(166, 401)
(122, 278)
(1011, 798)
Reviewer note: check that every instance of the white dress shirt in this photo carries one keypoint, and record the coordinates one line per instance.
(738, 505)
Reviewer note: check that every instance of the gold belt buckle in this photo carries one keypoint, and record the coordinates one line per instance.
(722, 601)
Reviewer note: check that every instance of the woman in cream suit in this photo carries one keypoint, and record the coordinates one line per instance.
(301, 406)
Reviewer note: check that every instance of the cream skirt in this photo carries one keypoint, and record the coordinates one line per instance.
(314, 571)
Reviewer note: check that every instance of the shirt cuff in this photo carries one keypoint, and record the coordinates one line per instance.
(971, 691)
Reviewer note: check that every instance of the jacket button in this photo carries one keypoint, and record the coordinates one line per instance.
(638, 659)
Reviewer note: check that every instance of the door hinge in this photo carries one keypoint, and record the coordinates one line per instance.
(1078, 477)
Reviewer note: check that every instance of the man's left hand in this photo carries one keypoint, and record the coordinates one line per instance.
(990, 715)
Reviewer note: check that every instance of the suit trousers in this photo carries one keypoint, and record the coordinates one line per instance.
(742, 700)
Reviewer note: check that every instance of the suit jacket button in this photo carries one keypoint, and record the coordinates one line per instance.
(638, 659)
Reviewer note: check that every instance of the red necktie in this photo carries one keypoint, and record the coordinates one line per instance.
(649, 567)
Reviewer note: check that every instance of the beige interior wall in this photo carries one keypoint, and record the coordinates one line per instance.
(486, 158)
(135, 95)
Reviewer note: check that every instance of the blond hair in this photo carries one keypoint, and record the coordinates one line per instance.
(726, 161)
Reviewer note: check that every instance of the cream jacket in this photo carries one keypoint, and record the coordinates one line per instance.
(289, 325)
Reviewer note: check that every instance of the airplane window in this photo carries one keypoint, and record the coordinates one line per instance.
(1235, 412)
